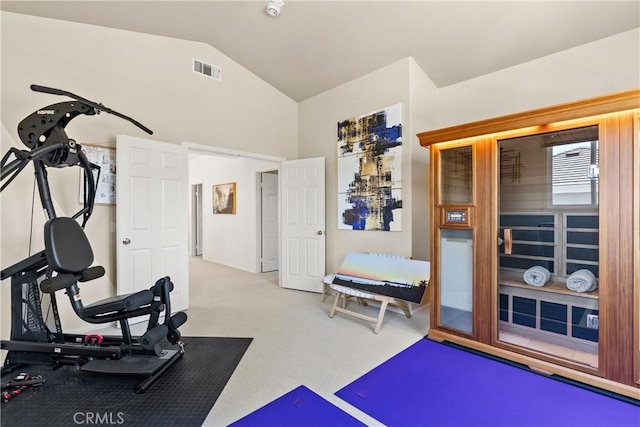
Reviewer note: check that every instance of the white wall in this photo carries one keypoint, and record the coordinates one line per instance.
(594, 69)
(317, 123)
(230, 239)
(146, 77)
(423, 102)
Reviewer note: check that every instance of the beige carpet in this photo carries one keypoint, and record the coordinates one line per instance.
(294, 340)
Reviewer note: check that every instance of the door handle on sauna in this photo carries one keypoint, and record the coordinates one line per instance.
(508, 247)
(126, 241)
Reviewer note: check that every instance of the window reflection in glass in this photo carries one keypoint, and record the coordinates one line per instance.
(456, 176)
(548, 202)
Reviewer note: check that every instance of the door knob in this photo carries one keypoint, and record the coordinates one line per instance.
(320, 232)
(126, 241)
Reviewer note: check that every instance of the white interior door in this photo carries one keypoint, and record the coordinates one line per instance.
(303, 243)
(269, 221)
(152, 216)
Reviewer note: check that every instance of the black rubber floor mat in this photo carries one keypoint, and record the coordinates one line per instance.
(183, 396)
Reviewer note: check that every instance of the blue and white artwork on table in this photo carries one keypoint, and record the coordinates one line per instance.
(370, 171)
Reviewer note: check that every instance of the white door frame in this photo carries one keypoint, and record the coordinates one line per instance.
(226, 152)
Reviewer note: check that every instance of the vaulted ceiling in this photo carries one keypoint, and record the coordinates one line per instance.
(314, 46)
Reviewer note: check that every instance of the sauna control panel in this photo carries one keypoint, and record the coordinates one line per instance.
(456, 217)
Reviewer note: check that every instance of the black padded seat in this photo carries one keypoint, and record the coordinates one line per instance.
(67, 247)
(118, 303)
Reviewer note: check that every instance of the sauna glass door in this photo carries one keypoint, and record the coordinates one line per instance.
(548, 255)
(455, 245)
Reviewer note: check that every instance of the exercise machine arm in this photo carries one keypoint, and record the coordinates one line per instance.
(43, 132)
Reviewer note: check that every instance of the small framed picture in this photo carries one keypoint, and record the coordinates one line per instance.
(224, 198)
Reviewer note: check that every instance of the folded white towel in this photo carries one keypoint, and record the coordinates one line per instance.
(536, 276)
(582, 281)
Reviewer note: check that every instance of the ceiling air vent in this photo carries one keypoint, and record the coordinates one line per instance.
(207, 69)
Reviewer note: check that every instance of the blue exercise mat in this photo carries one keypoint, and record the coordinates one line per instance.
(299, 407)
(433, 384)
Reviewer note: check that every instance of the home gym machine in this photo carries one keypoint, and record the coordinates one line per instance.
(66, 261)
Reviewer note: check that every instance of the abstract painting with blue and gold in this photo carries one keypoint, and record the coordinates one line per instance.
(370, 172)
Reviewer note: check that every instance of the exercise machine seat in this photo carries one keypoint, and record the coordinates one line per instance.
(67, 248)
(70, 255)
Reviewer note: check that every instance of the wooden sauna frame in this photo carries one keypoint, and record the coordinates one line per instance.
(618, 118)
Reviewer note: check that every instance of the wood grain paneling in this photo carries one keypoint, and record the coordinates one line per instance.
(616, 248)
(636, 244)
(435, 239)
(484, 243)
